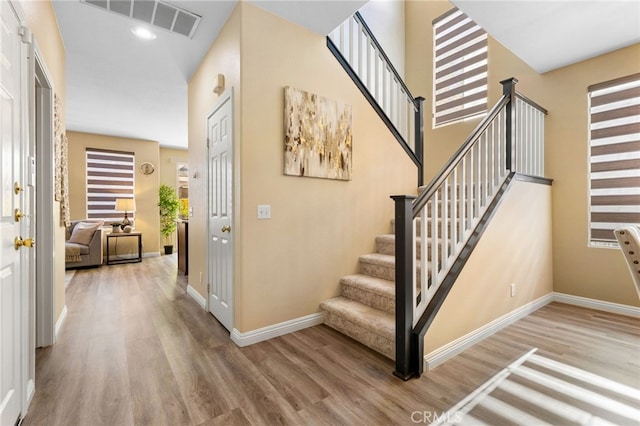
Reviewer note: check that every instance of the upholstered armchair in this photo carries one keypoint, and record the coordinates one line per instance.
(83, 245)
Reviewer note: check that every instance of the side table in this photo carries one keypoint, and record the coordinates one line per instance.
(111, 260)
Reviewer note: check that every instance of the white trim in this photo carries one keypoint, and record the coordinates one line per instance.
(60, 322)
(275, 330)
(442, 354)
(31, 390)
(197, 297)
(600, 305)
(45, 249)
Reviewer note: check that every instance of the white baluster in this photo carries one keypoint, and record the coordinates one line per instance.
(444, 240)
(434, 239)
(454, 209)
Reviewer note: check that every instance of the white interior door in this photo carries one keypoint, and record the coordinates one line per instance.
(220, 142)
(14, 264)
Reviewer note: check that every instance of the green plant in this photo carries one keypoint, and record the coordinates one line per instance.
(168, 203)
(184, 207)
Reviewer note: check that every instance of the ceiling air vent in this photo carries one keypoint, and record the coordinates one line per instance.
(153, 12)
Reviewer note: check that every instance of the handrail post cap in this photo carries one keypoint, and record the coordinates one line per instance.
(403, 197)
(511, 80)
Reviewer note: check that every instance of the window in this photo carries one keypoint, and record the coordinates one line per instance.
(110, 175)
(614, 174)
(460, 68)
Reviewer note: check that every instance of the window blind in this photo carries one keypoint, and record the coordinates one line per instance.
(460, 68)
(110, 175)
(614, 174)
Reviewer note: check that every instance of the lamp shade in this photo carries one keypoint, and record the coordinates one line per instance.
(125, 204)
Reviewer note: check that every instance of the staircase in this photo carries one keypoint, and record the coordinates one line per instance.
(389, 305)
(366, 309)
(389, 309)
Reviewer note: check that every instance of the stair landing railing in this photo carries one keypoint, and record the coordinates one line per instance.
(355, 47)
(434, 229)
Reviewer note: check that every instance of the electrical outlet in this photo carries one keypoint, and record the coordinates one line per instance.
(513, 290)
(264, 211)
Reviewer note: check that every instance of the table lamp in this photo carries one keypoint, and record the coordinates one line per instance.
(125, 205)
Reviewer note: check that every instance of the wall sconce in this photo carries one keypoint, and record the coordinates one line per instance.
(219, 87)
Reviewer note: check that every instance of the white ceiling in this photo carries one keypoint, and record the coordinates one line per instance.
(552, 34)
(120, 85)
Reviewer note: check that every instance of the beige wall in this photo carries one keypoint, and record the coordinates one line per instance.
(578, 270)
(319, 227)
(147, 219)
(168, 170)
(285, 266)
(42, 21)
(223, 58)
(515, 248)
(169, 159)
(597, 273)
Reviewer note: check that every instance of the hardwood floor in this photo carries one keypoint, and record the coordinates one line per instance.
(137, 350)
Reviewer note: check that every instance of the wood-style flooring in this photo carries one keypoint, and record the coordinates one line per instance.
(135, 349)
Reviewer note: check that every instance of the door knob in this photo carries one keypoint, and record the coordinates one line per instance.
(17, 215)
(226, 228)
(28, 242)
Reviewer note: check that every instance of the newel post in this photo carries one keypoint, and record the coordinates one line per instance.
(509, 89)
(419, 138)
(404, 284)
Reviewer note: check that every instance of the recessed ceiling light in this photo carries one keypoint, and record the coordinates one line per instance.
(144, 33)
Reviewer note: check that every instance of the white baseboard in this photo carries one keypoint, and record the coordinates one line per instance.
(197, 297)
(442, 354)
(60, 321)
(31, 391)
(276, 330)
(151, 254)
(600, 305)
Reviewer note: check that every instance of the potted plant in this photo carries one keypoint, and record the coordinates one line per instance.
(168, 203)
(115, 227)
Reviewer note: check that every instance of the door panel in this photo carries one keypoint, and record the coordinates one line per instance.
(220, 212)
(12, 152)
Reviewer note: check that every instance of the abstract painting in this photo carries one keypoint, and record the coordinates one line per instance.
(317, 136)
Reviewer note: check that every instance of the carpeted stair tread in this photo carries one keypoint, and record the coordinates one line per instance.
(371, 327)
(379, 259)
(371, 284)
(378, 265)
(374, 320)
(386, 244)
(371, 291)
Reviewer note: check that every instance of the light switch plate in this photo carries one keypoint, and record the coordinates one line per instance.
(264, 211)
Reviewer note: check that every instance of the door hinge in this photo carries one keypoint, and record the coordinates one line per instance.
(27, 35)
(207, 142)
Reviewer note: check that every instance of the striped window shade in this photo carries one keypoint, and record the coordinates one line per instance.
(110, 175)
(460, 68)
(614, 175)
